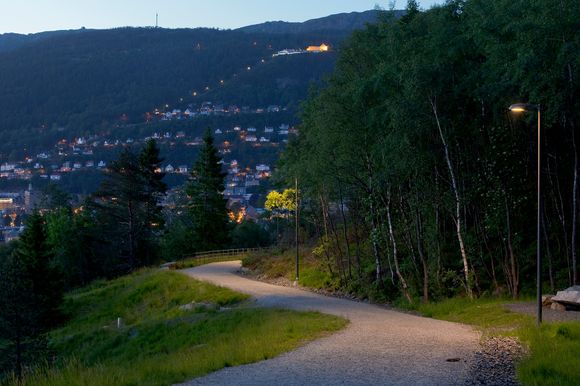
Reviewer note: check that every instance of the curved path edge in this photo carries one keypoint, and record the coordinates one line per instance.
(378, 347)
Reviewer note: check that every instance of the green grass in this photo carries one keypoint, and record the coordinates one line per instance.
(555, 358)
(488, 314)
(283, 264)
(554, 347)
(159, 344)
(197, 261)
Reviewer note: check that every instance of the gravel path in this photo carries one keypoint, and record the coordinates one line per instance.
(379, 346)
(495, 362)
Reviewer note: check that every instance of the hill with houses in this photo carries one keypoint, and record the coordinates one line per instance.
(70, 100)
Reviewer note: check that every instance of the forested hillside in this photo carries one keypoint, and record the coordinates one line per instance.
(83, 79)
(112, 88)
(416, 179)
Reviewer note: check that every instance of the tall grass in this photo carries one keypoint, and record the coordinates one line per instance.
(313, 274)
(554, 347)
(158, 343)
(555, 355)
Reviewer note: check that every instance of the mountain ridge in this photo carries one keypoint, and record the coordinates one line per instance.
(346, 21)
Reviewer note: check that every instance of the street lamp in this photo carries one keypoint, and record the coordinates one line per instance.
(296, 213)
(521, 108)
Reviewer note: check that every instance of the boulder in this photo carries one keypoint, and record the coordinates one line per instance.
(570, 296)
(547, 300)
(557, 307)
(194, 305)
(170, 265)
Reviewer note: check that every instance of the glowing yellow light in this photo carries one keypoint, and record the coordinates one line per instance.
(518, 109)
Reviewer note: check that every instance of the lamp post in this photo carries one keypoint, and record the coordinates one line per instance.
(296, 232)
(521, 108)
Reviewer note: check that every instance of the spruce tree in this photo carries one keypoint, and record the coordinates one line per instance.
(127, 208)
(154, 190)
(119, 209)
(207, 205)
(30, 297)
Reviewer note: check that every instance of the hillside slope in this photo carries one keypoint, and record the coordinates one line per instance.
(346, 22)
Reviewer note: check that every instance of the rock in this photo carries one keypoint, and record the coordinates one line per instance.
(547, 300)
(570, 296)
(194, 305)
(170, 265)
(557, 307)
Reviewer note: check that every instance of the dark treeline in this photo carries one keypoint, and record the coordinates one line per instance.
(417, 180)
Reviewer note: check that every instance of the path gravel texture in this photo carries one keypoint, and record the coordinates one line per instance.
(378, 347)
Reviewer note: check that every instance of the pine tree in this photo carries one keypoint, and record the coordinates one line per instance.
(119, 209)
(127, 208)
(154, 189)
(30, 296)
(35, 253)
(207, 206)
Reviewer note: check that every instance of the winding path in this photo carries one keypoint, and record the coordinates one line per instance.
(378, 347)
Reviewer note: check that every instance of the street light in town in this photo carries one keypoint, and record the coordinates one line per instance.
(522, 108)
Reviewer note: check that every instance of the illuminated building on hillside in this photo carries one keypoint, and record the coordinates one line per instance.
(321, 48)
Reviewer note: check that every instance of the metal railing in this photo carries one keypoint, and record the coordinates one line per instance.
(223, 252)
(207, 257)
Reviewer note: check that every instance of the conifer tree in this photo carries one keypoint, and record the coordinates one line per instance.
(30, 296)
(154, 189)
(127, 208)
(207, 206)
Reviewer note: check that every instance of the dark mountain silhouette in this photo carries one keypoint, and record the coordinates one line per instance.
(345, 22)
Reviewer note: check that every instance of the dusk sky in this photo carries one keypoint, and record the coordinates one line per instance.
(27, 16)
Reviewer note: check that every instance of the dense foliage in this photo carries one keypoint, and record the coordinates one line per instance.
(418, 179)
(31, 292)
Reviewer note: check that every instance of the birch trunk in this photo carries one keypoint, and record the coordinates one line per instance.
(404, 285)
(457, 219)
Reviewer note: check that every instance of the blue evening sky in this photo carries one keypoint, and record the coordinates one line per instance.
(28, 16)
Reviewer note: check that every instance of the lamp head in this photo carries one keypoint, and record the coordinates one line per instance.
(523, 107)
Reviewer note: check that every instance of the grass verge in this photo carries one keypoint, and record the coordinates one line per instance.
(197, 261)
(554, 347)
(282, 264)
(158, 343)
